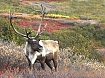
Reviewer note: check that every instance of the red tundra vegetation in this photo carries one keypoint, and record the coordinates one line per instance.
(51, 25)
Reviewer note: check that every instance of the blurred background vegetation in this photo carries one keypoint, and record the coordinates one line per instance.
(85, 38)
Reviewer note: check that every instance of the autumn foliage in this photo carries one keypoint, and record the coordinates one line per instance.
(13, 64)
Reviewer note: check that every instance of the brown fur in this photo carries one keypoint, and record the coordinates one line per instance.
(47, 59)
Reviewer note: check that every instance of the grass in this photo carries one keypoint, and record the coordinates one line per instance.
(87, 8)
(76, 8)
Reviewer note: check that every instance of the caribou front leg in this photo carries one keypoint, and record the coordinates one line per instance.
(29, 62)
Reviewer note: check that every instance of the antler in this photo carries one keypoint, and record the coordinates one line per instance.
(27, 33)
(43, 14)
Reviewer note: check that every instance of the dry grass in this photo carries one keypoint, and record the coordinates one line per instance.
(13, 64)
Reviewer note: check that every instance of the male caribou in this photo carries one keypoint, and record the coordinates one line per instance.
(36, 50)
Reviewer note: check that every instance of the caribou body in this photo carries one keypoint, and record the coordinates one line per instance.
(36, 50)
(43, 52)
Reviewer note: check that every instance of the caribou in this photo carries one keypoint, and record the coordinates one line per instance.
(37, 50)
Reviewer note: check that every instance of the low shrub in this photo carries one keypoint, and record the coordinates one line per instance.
(81, 37)
(7, 33)
(83, 45)
(13, 64)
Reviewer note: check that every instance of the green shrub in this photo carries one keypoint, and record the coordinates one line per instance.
(56, 12)
(100, 35)
(7, 33)
(86, 30)
(80, 37)
(11, 2)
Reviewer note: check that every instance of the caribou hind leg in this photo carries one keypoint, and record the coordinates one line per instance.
(49, 65)
(55, 65)
(55, 61)
(43, 65)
